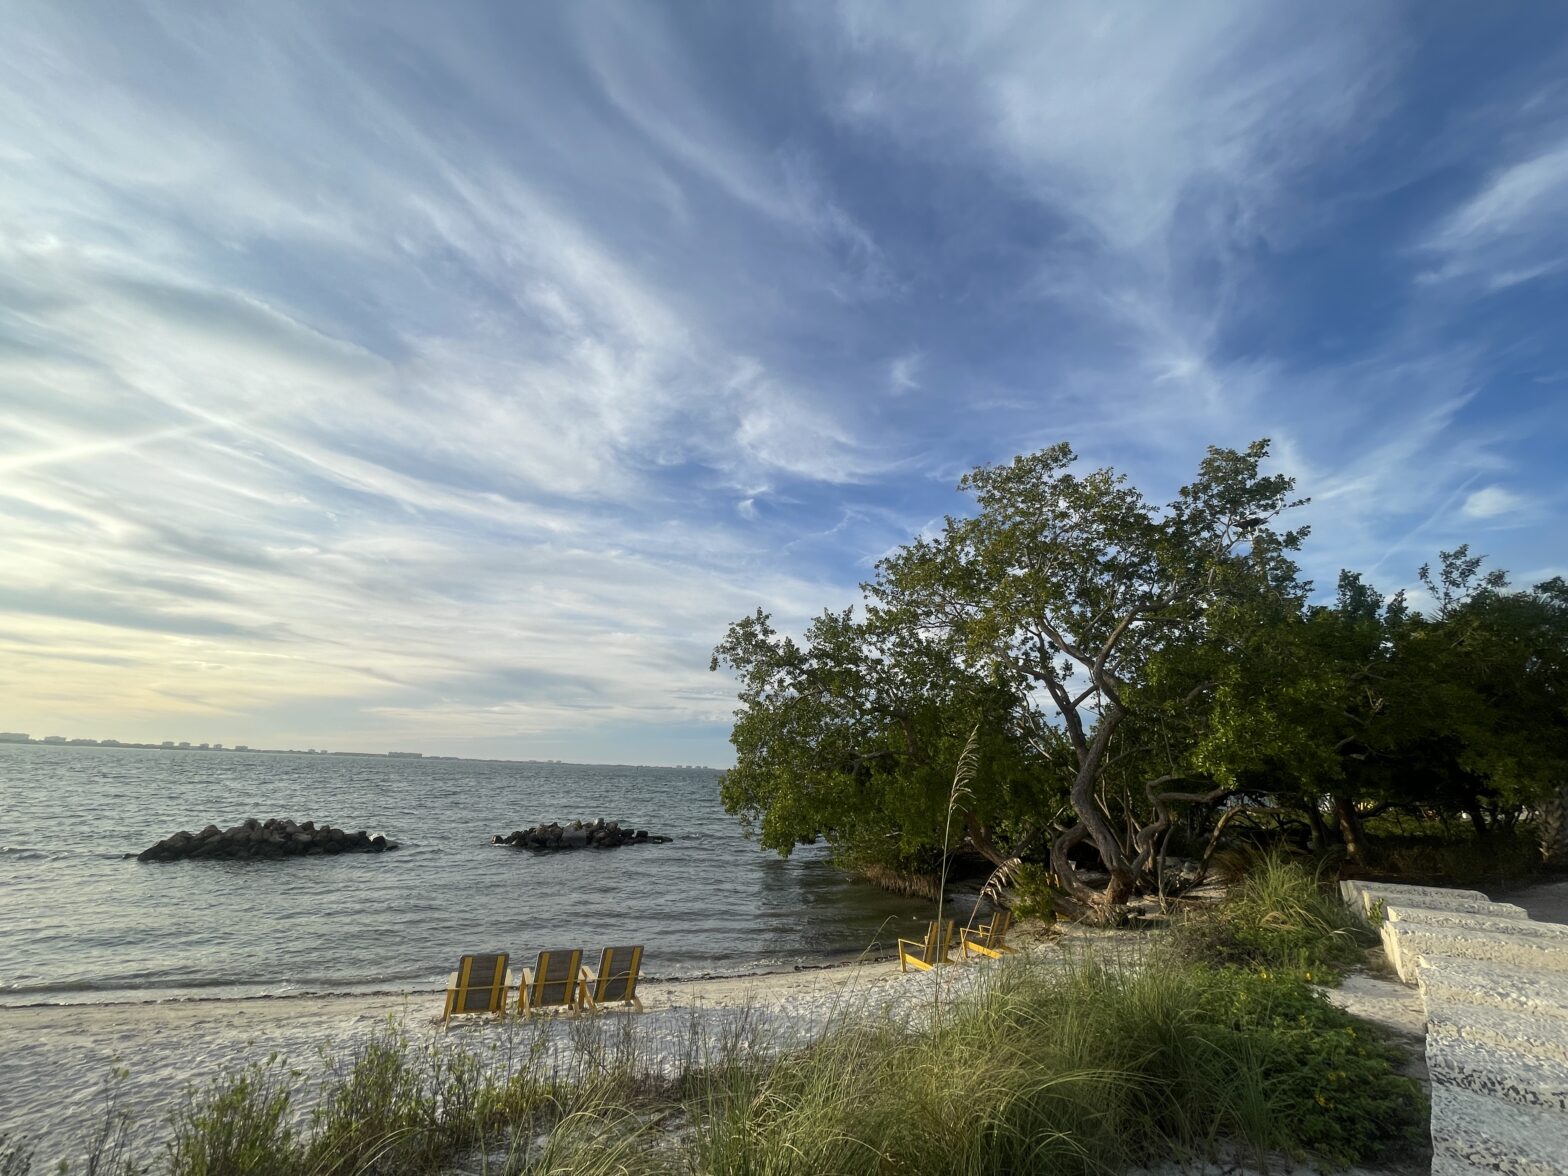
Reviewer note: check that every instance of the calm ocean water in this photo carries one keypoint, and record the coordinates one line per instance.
(80, 923)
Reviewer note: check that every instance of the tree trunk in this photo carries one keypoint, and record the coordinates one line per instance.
(1350, 827)
(1554, 829)
(1477, 815)
(1319, 839)
(1117, 892)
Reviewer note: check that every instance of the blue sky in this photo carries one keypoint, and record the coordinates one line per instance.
(447, 377)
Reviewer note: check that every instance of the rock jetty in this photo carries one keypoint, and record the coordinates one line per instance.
(600, 834)
(264, 839)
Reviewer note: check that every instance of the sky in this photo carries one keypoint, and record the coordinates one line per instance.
(447, 377)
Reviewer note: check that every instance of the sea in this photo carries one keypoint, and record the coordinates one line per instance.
(82, 922)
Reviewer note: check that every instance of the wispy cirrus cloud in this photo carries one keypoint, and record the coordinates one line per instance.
(374, 378)
(1513, 229)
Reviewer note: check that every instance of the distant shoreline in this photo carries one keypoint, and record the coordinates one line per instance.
(206, 749)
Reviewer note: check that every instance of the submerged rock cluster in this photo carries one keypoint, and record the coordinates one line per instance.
(264, 839)
(598, 834)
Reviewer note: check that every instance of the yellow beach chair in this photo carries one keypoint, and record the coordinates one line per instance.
(925, 954)
(478, 986)
(988, 939)
(615, 979)
(554, 982)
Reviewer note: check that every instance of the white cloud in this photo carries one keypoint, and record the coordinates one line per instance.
(321, 415)
(1512, 230)
(1114, 111)
(903, 374)
(1491, 502)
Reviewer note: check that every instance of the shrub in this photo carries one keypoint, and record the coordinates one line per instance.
(1335, 1087)
(1033, 895)
(239, 1126)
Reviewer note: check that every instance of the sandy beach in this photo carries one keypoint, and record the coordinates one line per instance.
(55, 1060)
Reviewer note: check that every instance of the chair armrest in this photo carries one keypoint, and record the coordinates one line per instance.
(451, 980)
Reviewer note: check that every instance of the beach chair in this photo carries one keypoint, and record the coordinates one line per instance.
(478, 986)
(988, 939)
(925, 954)
(554, 982)
(615, 979)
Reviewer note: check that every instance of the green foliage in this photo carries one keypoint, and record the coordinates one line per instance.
(1130, 664)
(1075, 1070)
(237, 1127)
(853, 735)
(1279, 917)
(1504, 860)
(393, 1107)
(1036, 619)
(1334, 1086)
(1034, 896)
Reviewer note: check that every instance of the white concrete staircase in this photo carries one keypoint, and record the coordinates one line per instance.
(1494, 983)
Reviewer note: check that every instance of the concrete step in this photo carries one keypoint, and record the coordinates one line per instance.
(1523, 1034)
(1350, 889)
(1527, 991)
(1466, 922)
(1369, 898)
(1459, 908)
(1498, 1074)
(1474, 1132)
(1405, 943)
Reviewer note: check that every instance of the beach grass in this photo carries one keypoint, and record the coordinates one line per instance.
(1281, 913)
(1071, 1066)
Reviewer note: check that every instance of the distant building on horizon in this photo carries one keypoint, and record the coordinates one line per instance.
(15, 737)
(406, 754)
(54, 739)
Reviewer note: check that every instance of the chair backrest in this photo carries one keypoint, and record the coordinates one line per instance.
(939, 938)
(1000, 922)
(481, 983)
(617, 976)
(994, 933)
(555, 979)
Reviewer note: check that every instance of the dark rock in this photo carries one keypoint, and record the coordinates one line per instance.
(595, 834)
(268, 839)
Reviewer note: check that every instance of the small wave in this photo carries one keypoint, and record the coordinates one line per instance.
(22, 853)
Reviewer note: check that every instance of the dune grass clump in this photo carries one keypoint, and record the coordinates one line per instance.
(1078, 1070)
(1279, 915)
